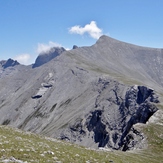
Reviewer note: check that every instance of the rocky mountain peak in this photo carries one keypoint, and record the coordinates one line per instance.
(9, 63)
(45, 57)
(75, 47)
(105, 38)
(93, 96)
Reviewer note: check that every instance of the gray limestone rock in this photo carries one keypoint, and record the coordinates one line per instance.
(111, 120)
(93, 96)
(9, 63)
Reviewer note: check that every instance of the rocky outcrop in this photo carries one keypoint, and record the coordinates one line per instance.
(48, 56)
(9, 63)
(75, 47)
(42, 90)
(111, 121)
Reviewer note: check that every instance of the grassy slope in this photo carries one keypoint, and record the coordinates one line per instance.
(34, 148)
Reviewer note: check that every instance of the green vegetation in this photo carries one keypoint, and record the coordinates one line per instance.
(28, 147)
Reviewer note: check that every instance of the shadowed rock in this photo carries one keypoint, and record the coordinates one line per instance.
(48, 56)
(112, 120)
(75, 47)
(9, 63)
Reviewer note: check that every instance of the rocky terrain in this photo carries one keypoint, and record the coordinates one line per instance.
(94, 96)
(24, 147)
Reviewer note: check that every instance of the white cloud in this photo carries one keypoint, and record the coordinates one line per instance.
(46, 47)
(92, 29)
(23, 58)
(67, 49)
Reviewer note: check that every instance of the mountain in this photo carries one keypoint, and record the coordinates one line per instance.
(25, 147)
(21, 147)
(9, 63)
(94, 96)
(45, 57)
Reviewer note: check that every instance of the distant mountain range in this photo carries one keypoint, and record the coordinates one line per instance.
(93, 96)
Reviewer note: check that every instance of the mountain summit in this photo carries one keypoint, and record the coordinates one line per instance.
(45, 57)
(9, 63)
(93, 96)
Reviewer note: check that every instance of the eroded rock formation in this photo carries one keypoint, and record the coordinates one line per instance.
(114, 115)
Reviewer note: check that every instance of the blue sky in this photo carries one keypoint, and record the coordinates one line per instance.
(28, 27)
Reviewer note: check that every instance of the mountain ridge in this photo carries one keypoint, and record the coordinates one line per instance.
(79, 94)
(105, 37)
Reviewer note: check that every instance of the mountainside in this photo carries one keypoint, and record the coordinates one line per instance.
(93, 96)
(23, 147)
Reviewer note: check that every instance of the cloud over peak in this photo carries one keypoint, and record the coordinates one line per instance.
(92, 29)
(23, 58)
(41, 48)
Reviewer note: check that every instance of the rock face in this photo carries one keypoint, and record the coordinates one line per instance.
(75, 47)
(93, 96)
(110, 123)
(47, 56)
(9, 63)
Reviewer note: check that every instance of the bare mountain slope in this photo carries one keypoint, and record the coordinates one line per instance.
(87, 95)
(122, 59)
